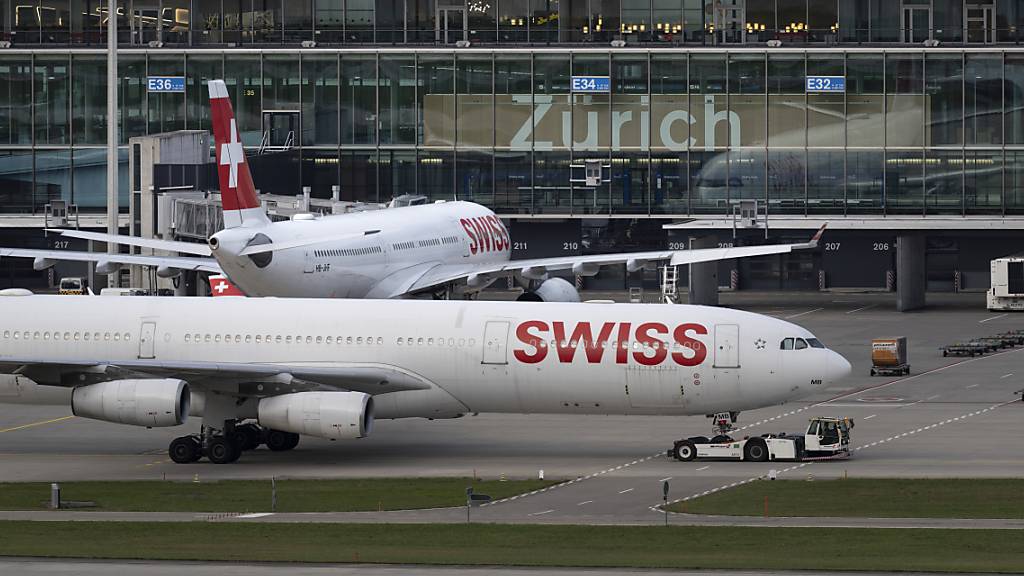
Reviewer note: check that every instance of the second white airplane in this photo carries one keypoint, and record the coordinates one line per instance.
(448, 249)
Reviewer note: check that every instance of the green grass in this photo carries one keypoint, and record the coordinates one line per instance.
(342, 495)
(531, 545)
(868, 498)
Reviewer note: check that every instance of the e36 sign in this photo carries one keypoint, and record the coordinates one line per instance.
(165, 84)
(598, 84)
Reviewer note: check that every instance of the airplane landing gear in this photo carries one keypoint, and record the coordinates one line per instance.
(185, 449)
(227, 446)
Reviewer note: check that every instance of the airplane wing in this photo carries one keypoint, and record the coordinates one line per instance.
(169, 245)
(177, 262)
(253, 379)
(536, 268)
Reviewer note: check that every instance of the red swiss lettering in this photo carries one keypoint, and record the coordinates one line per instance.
(485, 237)
(470, 231)
(700, 352)
(532, 340)
(622, 343)
(655, 345)
(581, 334)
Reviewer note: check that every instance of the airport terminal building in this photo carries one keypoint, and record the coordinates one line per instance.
(899, 122)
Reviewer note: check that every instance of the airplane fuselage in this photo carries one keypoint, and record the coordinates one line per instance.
(469, 356)
(363, 254)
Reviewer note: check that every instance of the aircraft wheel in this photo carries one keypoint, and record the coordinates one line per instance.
(279, 441)
(685, 451)
(222, 450)
(248, 436)
(185, 450)
(755, 450)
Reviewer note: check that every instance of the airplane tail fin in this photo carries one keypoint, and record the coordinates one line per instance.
(238, 194)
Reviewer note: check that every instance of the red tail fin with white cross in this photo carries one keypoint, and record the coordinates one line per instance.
(238, 195)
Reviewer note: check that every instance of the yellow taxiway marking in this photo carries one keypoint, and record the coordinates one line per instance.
(23, 426)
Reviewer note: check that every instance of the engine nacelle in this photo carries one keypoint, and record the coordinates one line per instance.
(143, 402)
(552, 290)
(331, 415)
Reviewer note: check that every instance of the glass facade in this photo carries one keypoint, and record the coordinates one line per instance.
(690, 22)
(682, 132)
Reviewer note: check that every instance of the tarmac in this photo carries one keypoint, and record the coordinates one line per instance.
(950, 418)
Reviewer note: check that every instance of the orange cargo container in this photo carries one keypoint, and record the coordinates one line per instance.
(889, 356)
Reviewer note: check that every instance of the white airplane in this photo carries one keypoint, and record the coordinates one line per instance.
(446, 249)
(271, 369)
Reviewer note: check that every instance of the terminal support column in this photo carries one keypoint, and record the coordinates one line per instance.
(911, 278)
(704, 276)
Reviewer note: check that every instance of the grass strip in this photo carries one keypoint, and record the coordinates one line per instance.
(867, 498)
(335, 495)
(935, 550)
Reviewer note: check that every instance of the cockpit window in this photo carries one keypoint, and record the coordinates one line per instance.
(787, 344)
(815, 343)
(800, 344)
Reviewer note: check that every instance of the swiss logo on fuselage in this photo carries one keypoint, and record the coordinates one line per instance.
(615, 338)
(486, 234)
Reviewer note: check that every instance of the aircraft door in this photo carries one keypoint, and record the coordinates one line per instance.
(654, 386)
(727, 352)
(147, 340)
(495, 342)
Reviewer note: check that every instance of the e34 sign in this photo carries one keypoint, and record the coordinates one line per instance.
(591, 84)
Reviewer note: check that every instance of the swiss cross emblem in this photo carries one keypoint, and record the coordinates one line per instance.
(221, 287)
(232, 154)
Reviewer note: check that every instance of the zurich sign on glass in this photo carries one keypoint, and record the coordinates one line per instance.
(826, 84)
(591, 84)
(165, 84)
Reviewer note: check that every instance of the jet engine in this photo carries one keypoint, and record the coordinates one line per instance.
(551, 290)
(149, 402)
(331, 415)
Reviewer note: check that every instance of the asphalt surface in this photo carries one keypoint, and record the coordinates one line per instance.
(952, 417)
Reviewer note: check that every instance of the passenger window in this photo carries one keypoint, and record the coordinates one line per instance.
(787, 344)
(216, 338)
(86, 335)
(430, 341)
(320, 339)
(77, 334)
(127, 336)
(359, 341)
(349, 341)
(800, 344)
(278, 339)
(288, 340)
(117, 336)
(188, 337)
(248, 338)
(46, 335)
(258, 338)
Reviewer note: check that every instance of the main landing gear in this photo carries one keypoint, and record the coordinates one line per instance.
(226, 445)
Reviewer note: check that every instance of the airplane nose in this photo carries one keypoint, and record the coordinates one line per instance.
(836, 367)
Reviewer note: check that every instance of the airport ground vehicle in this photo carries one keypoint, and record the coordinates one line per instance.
(1007, 291)
(826, 438)
(72, 286)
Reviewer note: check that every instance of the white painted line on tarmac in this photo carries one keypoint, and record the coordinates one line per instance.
(933, 397)
(992, 318)
(703, 468)
(1004, 376)
(626, 490)
(541, 513)
(811, 312)
(862, 308)
(585, 502)
(870, 417)
(972, 386)
(665, 479)
(256, 515)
